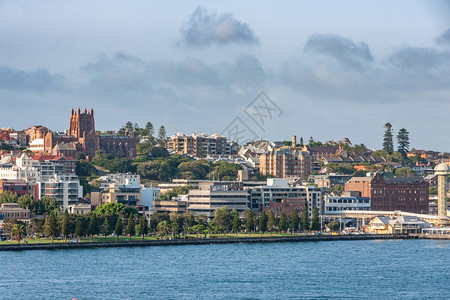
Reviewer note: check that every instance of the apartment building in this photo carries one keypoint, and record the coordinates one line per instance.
(199, 144)
(286, 163)
(65, 188)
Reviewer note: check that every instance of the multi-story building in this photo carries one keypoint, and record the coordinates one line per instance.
(36, 132)
(20, 137)
(118, 188)
(199, 144)
(19, 187)
(279, 196)
(65, 189)
(335, 204)
(213, 195)
(286, 163)
(400, 193)
(177, 204)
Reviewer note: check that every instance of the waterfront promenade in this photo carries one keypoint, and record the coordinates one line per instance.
(200, 241)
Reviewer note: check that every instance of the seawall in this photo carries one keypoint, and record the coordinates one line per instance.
(195, 241)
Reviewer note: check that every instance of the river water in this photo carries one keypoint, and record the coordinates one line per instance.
(406, 269)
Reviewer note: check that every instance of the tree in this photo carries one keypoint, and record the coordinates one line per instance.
(65, 226)
(293, 220)
(404, 172)
(222, 218)
(301, 142)
(305, 219)
(93, 226)
(50, 226)
(106, 230)
(37, 225)
(249, 217)
(263, 223)
(8, 197)
(271, 221)
(236, 221)
(18, 232)
(333, 226)
(48, 204)
(175, 228)
(149, 129)
(163, 228)
(114, 208)
(130, 225)
(283, 225)
(143, 227)
(315, 222)
(337, 189)
(388, 144)
(162, 133)
(119, 227)
(403, 141)
(27, 201)
(129, 126)
(79, 230)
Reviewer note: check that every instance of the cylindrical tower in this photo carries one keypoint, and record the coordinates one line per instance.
(441, 171)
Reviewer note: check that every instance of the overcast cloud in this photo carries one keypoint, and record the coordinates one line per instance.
(330, 79)
(204, 29)
(444, 38)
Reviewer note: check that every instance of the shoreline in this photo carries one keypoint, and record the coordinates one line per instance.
(199, 241)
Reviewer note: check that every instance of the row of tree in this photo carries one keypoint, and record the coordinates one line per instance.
(118, 219)
(44, 205)
(147, 131)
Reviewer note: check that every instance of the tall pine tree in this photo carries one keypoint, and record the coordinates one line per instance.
(305, 218)
(403, 141)
(293, 220)
(315, 222)
(271, 222)
(388, 143)
(282, 225)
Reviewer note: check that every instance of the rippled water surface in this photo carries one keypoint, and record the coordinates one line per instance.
(343, 269)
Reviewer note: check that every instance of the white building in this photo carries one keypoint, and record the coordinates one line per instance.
(66, 189)
(335, 204)
(210, 196)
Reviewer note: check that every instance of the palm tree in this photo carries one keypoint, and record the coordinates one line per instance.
(163, 228)
(18, 232)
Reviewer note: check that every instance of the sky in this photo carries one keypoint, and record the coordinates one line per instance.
(265, 69)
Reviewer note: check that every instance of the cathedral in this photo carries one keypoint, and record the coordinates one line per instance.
(82, 138)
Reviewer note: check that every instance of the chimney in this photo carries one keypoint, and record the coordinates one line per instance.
(294, 141)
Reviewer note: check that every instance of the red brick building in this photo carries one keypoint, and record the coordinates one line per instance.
(401, 193)
(19, 187)
(285, 206)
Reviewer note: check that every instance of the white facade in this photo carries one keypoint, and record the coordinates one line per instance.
(149, 195)
(336, 204)
(66, 189)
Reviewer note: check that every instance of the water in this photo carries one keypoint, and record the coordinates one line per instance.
(342, 269)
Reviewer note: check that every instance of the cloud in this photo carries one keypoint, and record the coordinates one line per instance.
(343, 50)
(420, 58)
(35, 81)
(444, 38)
(203, 29)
